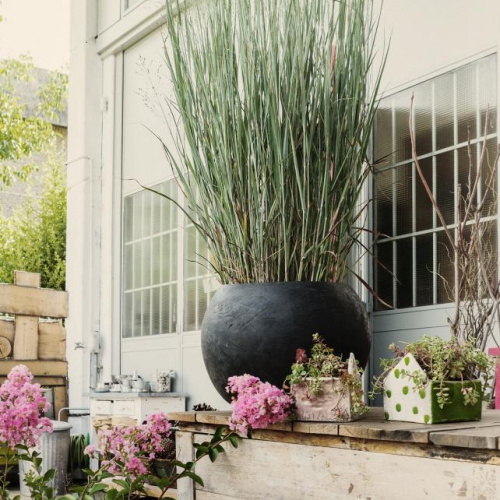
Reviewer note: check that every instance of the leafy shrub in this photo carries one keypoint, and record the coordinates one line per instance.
(34, 238)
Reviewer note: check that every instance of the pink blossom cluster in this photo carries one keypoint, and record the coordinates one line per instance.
(256, 404)
(127, 449)
(22, 404)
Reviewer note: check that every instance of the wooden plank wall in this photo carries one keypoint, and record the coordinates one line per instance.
(40, 344)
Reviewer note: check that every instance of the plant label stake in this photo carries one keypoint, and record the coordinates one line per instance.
(495, 352)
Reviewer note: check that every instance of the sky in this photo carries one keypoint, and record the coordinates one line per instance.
(36, 27)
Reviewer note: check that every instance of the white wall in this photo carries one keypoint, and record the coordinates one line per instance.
(84, 178)
(426, 36)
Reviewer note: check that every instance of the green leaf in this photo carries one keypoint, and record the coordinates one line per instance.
(213, 453)
(218, 434)
(98, 487)
(49, 475)
(233, 438)
(121, 482)
(194, 477)
(111, 494)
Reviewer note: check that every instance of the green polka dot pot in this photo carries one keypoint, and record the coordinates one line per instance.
(405, 402)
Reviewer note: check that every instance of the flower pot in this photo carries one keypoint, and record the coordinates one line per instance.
(407, 402)
(163, 467)
(332, 404)
(256, 328)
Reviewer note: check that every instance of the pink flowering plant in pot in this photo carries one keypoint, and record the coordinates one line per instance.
(22, 406)
(127, 454)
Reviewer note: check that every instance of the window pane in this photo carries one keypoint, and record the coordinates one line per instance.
(423, 205)
(150, 260)
(445, 185)
(487, 73)
(404, 273)
(466, 102)
(402, 114)
(383, 202)
(444, 107)
(383, 134)
(422, 112)
(404, 210)
(424, 271)
(443, 98)
(128, 225)
(383, 272)
(489, 181)
(445, 270)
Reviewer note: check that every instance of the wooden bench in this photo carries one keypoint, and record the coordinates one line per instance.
(369, 459)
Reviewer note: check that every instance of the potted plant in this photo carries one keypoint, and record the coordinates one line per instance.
(78, 461)
(276, 110)
(162, 463)
(326, 387)
(434, 380)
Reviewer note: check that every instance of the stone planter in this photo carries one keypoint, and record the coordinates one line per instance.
(403, 401)
(256, 328)
(332, 404)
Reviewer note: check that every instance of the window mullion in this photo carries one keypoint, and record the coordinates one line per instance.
(394, 213)
(434, 194)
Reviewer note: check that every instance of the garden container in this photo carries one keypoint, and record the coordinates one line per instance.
(255, 328)
(404, 400)
(54, 450)
(332, 404)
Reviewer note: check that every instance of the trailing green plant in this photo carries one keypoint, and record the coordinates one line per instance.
(34, 238)
(442, 361)
(276, 106)
(324, 363)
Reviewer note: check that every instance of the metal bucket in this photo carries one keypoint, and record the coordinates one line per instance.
(54, 452)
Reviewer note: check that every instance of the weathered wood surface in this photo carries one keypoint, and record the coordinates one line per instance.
(33, 301)
(263, 470)
(51, 341)
(26, 338)
(26, 327)
(7, 326)
(184, 452)
(51, 338)
(39, 368)
(486, 438)
(372, 426)
(23, 278)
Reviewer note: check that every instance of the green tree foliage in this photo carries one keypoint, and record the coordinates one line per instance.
(23, 131)
(34, 237)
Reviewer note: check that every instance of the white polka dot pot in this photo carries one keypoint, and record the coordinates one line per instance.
(406, 402)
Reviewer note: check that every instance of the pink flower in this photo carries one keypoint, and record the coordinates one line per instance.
(91, 451)
(256, 404)
(22, 404)
(126, 449)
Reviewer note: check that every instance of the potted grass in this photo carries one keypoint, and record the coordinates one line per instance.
(434, 381)
(276, 110)
(324, 386)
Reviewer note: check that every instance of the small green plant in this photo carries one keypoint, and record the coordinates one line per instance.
(442, 361)
(324, 363)
(77, 458)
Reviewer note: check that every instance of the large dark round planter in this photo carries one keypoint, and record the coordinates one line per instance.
(256, 328)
